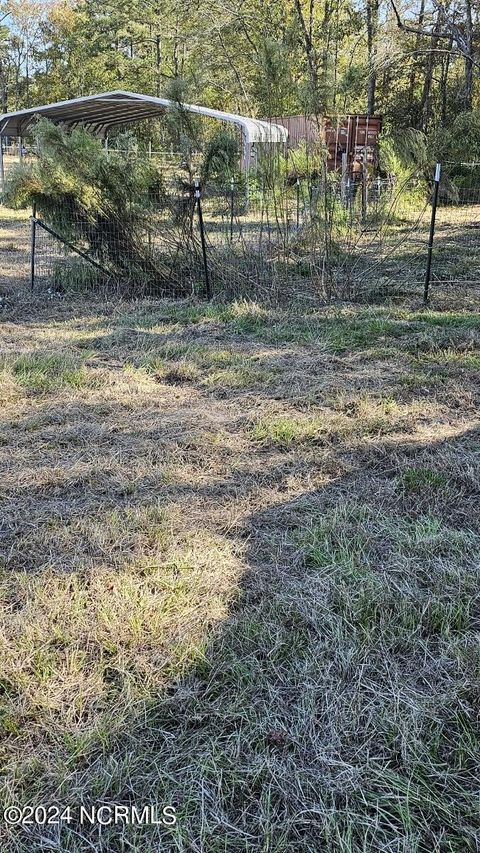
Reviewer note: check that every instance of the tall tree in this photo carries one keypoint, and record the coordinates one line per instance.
(372, 29)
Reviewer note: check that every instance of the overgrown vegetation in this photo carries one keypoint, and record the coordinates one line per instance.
(271, 239)
(101, 203)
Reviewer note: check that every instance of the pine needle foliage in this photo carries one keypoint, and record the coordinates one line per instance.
(98, 200)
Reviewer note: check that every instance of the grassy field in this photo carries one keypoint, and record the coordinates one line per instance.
(239, 575)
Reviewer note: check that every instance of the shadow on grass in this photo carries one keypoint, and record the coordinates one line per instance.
(292, 675)
(328, 699)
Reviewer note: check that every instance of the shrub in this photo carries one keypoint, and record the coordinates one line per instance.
(99, 201)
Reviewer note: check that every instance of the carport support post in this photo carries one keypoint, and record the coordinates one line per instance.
(2, 167)
(202, 238)
(428, 271)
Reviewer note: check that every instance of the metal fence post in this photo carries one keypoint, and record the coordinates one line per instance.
(436, 184)
(232, 206)
(364, 188)
(198, 194)
(298, 202)
(33, 235)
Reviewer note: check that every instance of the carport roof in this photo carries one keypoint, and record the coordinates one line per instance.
(101, 112)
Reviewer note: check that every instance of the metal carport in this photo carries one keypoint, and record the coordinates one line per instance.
(99, 113)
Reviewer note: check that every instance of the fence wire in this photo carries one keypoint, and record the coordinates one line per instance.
(302, 239)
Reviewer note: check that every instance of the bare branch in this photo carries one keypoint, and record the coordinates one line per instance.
(453, 32)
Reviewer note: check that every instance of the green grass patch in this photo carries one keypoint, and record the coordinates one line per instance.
(415, 380)
(338, 540)
(360, 552)
(46, 373)
(359, 418)
(419, 479)
(362, 332)
(450, 319)
(246, 315)
(212, 367)
(340, 330)
(203, 356)
(451, 356)
(286, 430)
(241, 376)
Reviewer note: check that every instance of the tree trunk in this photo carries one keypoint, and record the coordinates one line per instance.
(311, 55)
(326, 51)
(3, 88)
(443, 84)
(427, 85)
(412, 81)
(372, 27)
(468, 58)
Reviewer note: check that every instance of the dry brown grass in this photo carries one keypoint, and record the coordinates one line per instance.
(239, 574)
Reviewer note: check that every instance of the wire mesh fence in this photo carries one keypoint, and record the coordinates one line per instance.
(272, 240)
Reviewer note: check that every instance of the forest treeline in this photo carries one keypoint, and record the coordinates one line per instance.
(416, 64)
